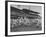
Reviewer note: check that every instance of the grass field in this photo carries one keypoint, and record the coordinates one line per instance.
(26, 28)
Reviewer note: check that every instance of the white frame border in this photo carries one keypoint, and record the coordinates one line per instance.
(25, 32)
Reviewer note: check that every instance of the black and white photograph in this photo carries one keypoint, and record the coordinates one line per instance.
(25, 18)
